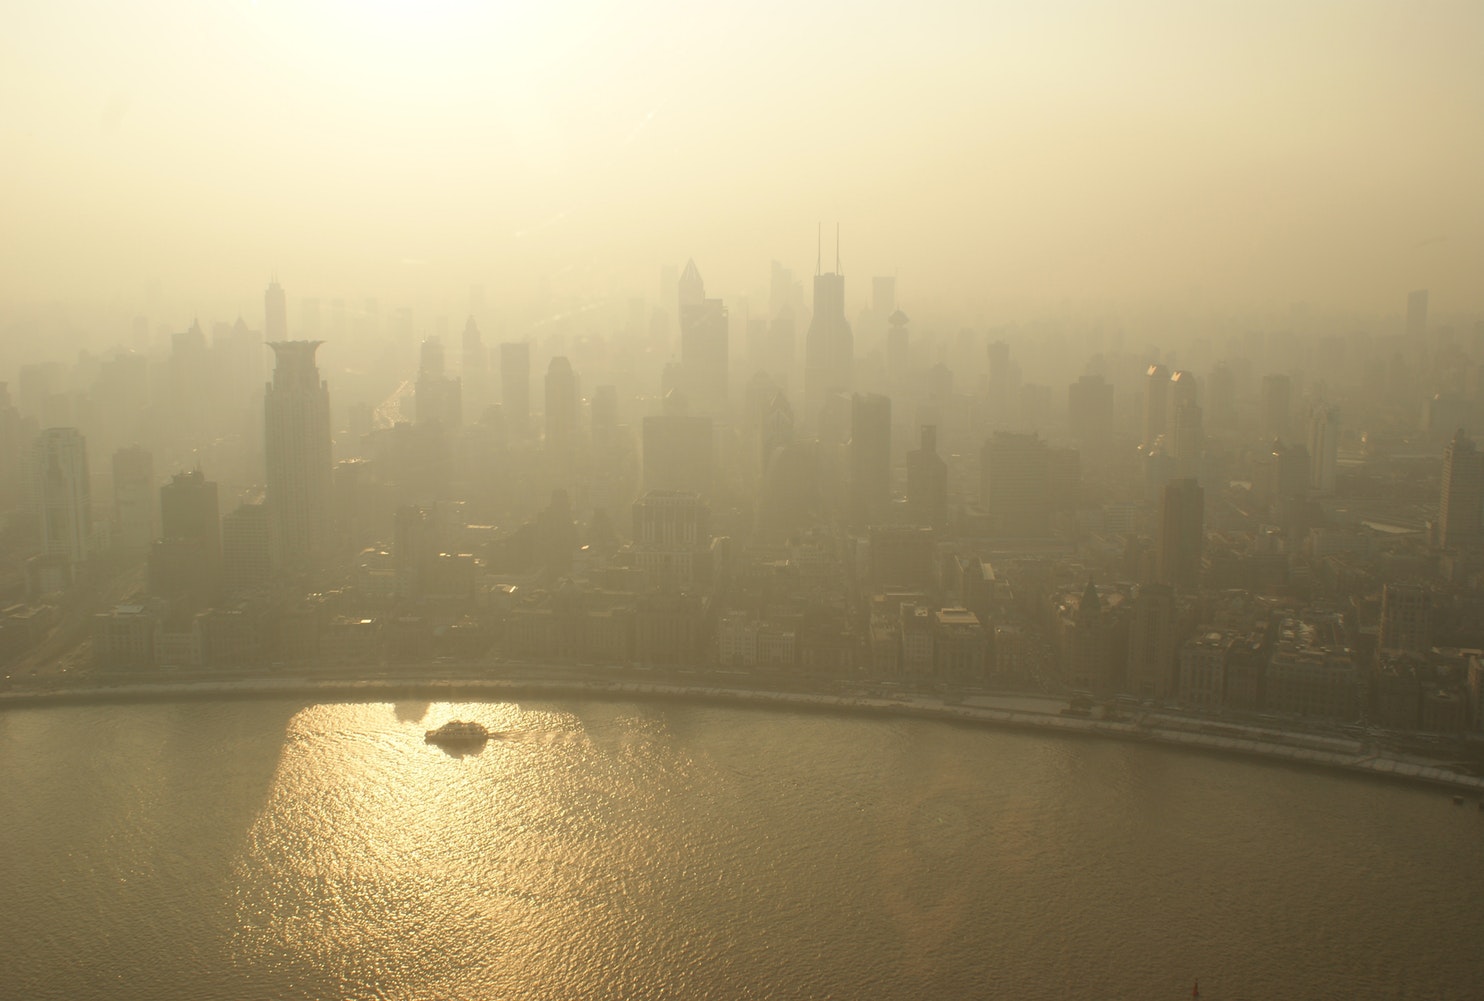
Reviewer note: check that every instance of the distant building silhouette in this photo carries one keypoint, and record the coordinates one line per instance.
(515, 386)
(560, 406)
(927, 482)
(275, 313)
(1156, 403)
(1277, 405)
(59, 470)
(829, 346)
(672, 539)
(1459, 514)
(248, 549)
(1406, 618)
(439, 398)
(1324, 443)
(474, 358)
(296, 446)
(188, 510)
(704, 343)
(1090, 411)
(1152, 650)
(1014, 489)
(1181, 534)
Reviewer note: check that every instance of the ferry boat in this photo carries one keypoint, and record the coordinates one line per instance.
(458, 731)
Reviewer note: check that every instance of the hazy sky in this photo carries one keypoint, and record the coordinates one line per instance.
(1248, 151)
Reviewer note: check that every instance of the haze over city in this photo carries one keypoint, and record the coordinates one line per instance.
(787, 500)
(995, 156)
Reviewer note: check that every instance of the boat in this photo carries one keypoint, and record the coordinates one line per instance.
(459, 731)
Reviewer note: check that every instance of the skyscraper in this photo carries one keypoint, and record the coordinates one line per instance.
(185, 563)
(296, 445)
(1156, 403)
(59, 468)
(515, 386)
(1459, 515)
(438, 398)
(704, 343)
(927, 482)
(1015, 478)
(829, 346)
(870, 457)
(1151, 646)
(189, 510)
(1277, 404)
(248, 548)
(561, 406)
(1406, 612)
(1090, 411)
(275, 313)
(1181, 534)
(1324, 440)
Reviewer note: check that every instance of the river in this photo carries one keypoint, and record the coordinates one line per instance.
(257, 849)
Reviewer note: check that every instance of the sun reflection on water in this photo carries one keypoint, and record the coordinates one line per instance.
(374, 843)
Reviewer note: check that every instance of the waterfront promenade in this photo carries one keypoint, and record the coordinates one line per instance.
(1020, 712)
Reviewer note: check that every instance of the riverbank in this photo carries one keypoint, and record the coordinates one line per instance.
(1278, 745)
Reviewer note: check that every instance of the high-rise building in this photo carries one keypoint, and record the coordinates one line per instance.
(275, 313)
(437, 397)
(474, 358)
(1417, 313)
(561, 407)
(133, 500)
(248, 548)
(1324, 443)
(59, 470)
(1015, 474)
(189, 511)
(1460, 520)
(671, 538)
(927, 482)
(1277, 405)
(1090, 411)
(1181, 534)
(870, 457)
(1156, 403)
(1187, 439)
(704, 343)
(515, 386)
(1087, 651)
(1406, 613)
(1151, 643)
(829, 346)
(296, 445)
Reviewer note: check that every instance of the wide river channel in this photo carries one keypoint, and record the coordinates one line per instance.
(273, 849)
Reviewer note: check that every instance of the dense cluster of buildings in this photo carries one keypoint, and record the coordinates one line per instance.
(882, 507)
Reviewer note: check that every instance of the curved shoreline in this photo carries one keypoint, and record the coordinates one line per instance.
(1271, 745)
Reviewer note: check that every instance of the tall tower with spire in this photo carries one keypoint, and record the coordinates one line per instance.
(829, 346)
(296, 444)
